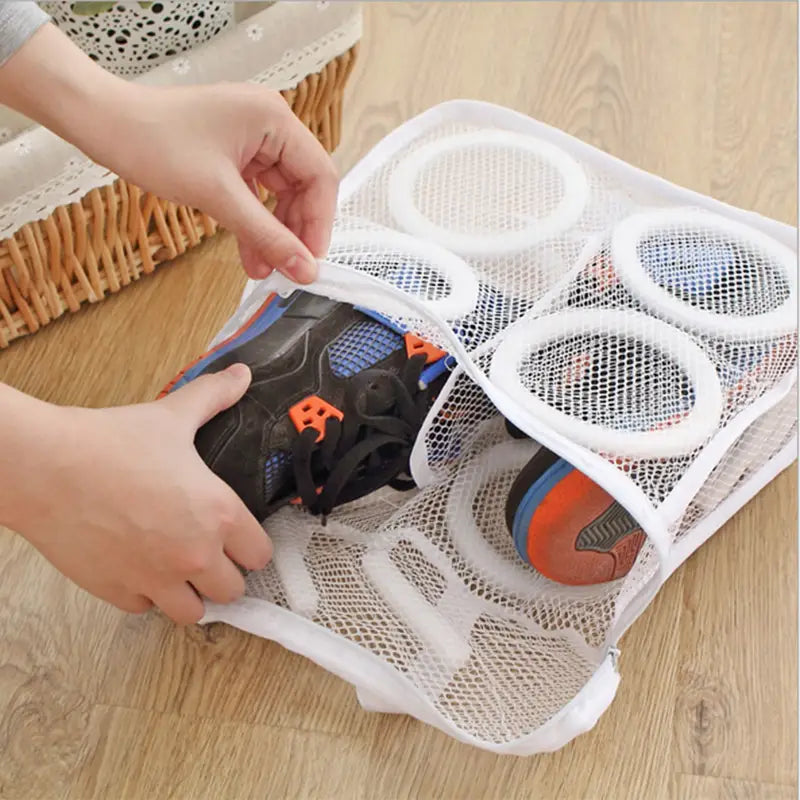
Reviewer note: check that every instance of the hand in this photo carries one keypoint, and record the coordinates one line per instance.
(209, 146)
(120, 502)
(204, 146)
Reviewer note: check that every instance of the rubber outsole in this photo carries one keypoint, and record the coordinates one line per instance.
(567, 527)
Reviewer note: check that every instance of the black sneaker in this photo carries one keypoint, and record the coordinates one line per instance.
(336, 402)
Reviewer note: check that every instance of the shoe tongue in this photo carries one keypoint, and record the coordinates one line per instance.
(379, 395)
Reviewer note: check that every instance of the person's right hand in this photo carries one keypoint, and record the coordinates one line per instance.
(120, 502)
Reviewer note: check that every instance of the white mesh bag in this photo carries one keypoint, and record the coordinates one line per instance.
(642, 332)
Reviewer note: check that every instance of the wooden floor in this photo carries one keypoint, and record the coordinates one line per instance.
(94, 704)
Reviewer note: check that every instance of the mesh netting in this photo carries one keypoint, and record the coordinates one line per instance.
(432, 585)
(617, 318)
(362, 346)
(761, 441)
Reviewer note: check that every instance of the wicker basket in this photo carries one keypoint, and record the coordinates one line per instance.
(115, 234)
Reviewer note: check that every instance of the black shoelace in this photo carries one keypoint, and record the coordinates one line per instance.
(364, 451)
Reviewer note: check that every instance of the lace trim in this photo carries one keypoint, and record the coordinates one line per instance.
(294, 66)
(79, 175)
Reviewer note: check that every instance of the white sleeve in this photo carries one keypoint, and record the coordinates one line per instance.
(18, 22)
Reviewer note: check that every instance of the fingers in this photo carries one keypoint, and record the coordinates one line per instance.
(297, 167)
(304, 160)
(247, 543)
(203, 398)
(132, 603)
(266, 241)
(181, 599)
(310, 214)
(138, 604)
(288, 210)
(180, 603)
(291, 163)
(252, 262)
(222, 582)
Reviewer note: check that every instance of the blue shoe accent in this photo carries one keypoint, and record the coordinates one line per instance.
(701, 264)
(275, 470)
(380, 318)
(532, 499)
(271, 312)
(432, 371)
(361, 347)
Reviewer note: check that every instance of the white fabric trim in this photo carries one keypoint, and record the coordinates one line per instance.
(382, 688)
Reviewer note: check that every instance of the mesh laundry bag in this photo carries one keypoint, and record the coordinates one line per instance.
(644, 333)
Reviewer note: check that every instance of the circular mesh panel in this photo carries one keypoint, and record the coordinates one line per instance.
(421, 270)
(613, 380)
(487, 193)
(707, 273)
(482, 190)
(618, 382)
(714, 274)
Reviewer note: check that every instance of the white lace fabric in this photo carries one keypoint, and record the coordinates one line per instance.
(643, 332)
(278, 46)
(129, 40)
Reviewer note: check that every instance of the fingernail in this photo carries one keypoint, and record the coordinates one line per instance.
(300, 269)
(238, 371)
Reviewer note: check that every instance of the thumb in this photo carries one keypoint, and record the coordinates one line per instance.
(269, 244)
(203, 398)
